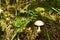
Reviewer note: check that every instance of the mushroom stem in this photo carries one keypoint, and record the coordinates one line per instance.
(38, 30)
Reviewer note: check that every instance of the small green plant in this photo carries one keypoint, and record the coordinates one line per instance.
(58, 12)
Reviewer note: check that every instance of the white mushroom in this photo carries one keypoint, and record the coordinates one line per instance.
(39, 23)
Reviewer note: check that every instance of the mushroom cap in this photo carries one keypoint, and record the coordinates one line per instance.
(39, 23)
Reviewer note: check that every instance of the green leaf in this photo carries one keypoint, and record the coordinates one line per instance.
(58, 13)
(39, 9)
(17, 22)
